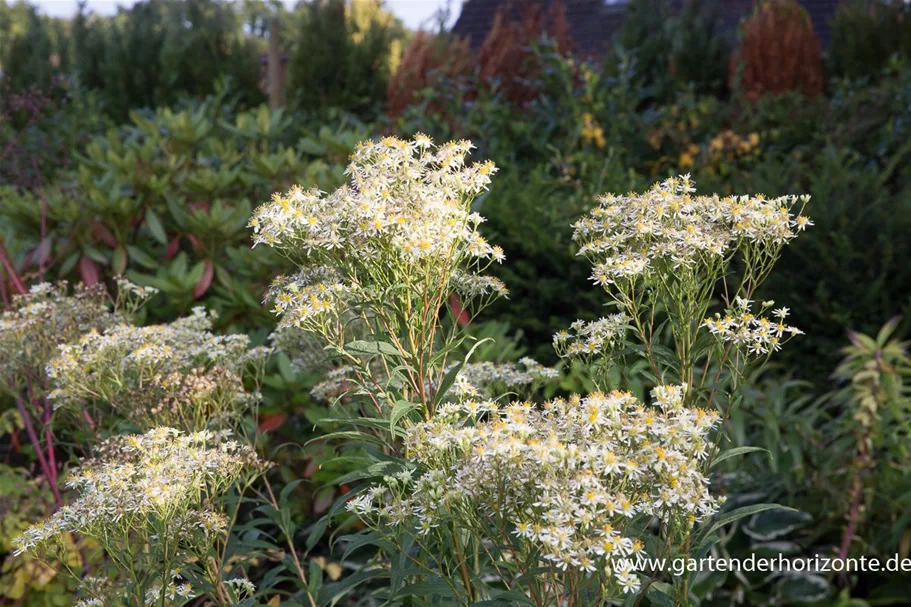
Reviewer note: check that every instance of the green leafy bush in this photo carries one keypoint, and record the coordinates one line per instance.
(32, 47)
(342, 55)
(148, 55)
(674, 48)
(166, 200)
(43, 129)
(866, 34)
(839, 457)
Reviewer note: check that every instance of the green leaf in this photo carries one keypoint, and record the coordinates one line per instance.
(400, 410)
(801, 588)
(372, 348)
(316, 578)
(196, 272)
(119, 260)
(364, 422)
(736, 515)
(310, 146)
(661, 594)
(453, 373)
(425, 588)
(508, 597)
(69, 263)
(352, 436)
(94, 254)
(286, 491)
(333, 592)
(141, 257)
(377, 470)
(156, 227)
(319, 528)
(766, 526)
(284, 367)
(372, 538)
(735, 452)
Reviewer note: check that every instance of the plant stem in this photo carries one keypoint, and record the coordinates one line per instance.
(50, 475)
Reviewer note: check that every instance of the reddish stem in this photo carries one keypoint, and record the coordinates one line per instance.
(857, 490)
(33, 437)
(7, 262)
(4, 296)
(49, 437)
(88, 418)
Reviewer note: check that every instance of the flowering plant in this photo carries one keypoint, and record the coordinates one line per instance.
(148, 502)
(562, 489)
(382, 257)
(179, 374)
(549, 503)
(31, 331)
(662, 257)
(155, 510)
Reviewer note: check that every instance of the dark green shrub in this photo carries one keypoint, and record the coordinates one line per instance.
(673, 48)
(876, 121)
(166, 200)
(865, 34)
(157, 51)
(151, 54)
(28, 48)
(42, 130)
(341, 55)
(851, 269)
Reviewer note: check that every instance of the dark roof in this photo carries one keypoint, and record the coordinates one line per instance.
(593, 22)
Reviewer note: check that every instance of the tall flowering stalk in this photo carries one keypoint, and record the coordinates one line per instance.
(31, 329)
(565, 489)
(664, 257)
(157, 507)
(551, 503)
(179, 375)
(381, 257)
(149, 502)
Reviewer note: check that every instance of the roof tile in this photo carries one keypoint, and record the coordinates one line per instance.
(593, 22)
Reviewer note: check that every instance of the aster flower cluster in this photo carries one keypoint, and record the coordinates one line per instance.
(388, 249)
(175, 591)
(487, 379)
(496, 379)
(307, 347)
(755, 334)
(472, 286)
(662, 254)
(337, 382)
(178, 374)
(46, 316)
(305, 350)
(669, 228)
(151, 501)
(566, 479)
(241, 587)
(588, 339)
(153, 487)
(405, 199)
(130, 296)
(309, 299)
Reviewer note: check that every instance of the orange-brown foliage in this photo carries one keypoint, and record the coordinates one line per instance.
(779, 52)
(426, 55)
(506, 54)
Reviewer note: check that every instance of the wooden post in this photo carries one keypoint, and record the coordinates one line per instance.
(276, 85)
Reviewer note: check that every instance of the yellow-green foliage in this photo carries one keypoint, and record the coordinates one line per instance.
(22, 578)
